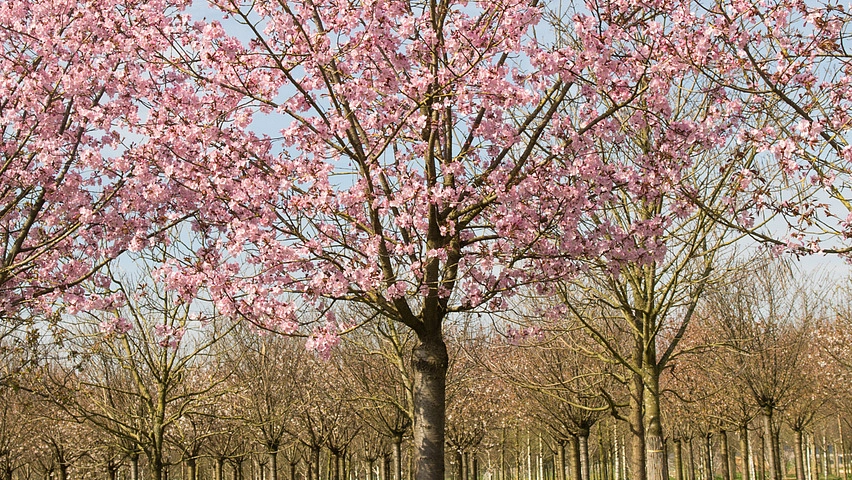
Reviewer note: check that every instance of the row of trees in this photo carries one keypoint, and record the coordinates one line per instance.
(157, 383)
(424, 160)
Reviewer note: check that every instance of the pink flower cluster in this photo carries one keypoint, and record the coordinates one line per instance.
(115, 326)
(168, 336)
(517, 336)
(324, 339)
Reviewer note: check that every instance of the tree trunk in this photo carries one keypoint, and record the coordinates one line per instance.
(744, 452)
(771, 446)
(560, 457)
(637, 428)
(335, 465)
(798, 453)
(724, 450)
(273, 462)
(576, 468)
(691, 463)
(134, 466)
(397, 457)
(430, 361)
(708, 459)
(655, 463)
(218, 469)
(315, 462)
(583, 442)
(191, 469)
(678, 459)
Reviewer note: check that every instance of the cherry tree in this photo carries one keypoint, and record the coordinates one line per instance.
(786, 63)
(81, 86)
(426, 159)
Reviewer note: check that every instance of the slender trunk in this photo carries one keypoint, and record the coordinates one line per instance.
(744, 452)
(156, 467)
(397, 457)
(583, 441)
(474, 467)
(678, 459)
(616, 457)
(843, 461)
(637, 428)
(335, 465)
(273, 462)
(134, 466)
(560, 456)
(383, 468)
(655, 462)
(798, 453)
(708, 459)
(771, 447)
(502, 468)
(191, 469)
(576, 468)
(724, 450)
(218, 473)
(315, 463)
(430, 362)
(691, 463)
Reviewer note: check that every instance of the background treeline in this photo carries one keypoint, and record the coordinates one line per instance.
(756, 387)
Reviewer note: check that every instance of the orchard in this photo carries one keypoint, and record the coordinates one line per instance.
(390, 239)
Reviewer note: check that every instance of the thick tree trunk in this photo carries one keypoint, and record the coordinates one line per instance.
(744, 452)
(798, 453)
(771, 446)
(430, 361)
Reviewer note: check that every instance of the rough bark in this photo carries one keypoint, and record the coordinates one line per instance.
(430, 361)
(678, 454)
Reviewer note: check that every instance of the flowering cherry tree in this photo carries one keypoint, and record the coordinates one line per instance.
(79, 87)
(786, 63)
(427, 158)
